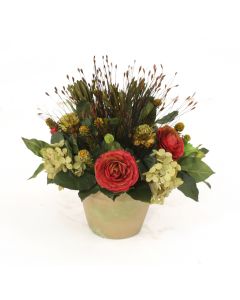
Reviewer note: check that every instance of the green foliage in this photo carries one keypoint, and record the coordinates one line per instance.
(147, 109)
(110, 146)
(195, 167)
(149, 161)
(110, 194)
(70, 181)
(85, 193)
(79, 91)
(57, 137)
(141, 192)
(189, 149)
(142, 169)
(35, 145)
(204, 150)
(87, 122)
(168, 118)
(207, 184)
(83, 108)
(113, 121)
(189, 186)
(38, 170)
(73, 144)
(69, 148)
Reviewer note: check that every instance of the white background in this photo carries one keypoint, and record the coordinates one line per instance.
(186, 250)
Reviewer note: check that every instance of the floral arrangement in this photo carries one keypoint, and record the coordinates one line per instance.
(121, 138)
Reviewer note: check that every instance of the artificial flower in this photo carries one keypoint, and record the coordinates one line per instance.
(169, 140)
(116, 171)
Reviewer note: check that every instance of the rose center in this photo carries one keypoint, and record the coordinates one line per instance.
(116, 170)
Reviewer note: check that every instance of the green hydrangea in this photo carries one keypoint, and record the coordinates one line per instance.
(162, 176)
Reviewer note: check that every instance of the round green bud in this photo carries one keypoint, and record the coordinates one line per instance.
(109, 138)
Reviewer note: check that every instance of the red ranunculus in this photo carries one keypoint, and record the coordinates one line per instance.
(170, 141)
(116, 171)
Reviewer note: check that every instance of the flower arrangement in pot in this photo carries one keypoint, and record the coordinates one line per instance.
(121, 146)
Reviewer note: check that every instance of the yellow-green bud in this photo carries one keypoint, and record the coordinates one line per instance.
(109, 138)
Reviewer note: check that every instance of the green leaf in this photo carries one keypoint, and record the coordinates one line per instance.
(35, 145)
(85, 193)
(146, 111)
(142, 168)
(189, 186)
(87, 122)
(73, 144)
(150, 119)
(113, 121)
(141, 192)
(57, 137)
(168, 118)
(149, 161)
(200, 154)
(105, 147)
(207, 184)
(189, 149)
(83, 108)
(84, 89)
(72, 182)
(110, 194)
(195, 167)
(204, 150)
(38, 170)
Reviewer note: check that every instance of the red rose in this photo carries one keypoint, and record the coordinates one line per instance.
(170, 141)
(116, 171)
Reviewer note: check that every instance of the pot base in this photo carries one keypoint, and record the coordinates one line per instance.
(118, 219)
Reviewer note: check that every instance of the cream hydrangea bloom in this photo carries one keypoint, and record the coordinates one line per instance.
(56, 159)
(162, 177)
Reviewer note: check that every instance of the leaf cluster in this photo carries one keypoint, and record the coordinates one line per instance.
(193, 170)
